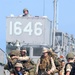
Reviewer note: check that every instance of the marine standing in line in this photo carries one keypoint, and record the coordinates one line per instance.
(18, 70)
(28, 64)
(61, 72)
(68, 66)
(45, 65)
(10, 60)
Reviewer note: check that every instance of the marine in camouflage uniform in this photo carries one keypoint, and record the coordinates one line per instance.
(61, 72)
(10, 60)
(57, 61)
(18, 70)
(28, 64)
(70, 60)
(45, 65)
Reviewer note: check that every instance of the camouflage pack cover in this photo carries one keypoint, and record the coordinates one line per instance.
(57, 60)
(45, 63)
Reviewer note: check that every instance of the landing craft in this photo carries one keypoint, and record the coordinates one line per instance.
(34, 33)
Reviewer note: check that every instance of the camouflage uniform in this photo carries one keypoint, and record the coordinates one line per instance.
(70, 59)
(28, 64)
(15, 71)
(45, 65)
(57, 60)
(11, 61)
(61, 71)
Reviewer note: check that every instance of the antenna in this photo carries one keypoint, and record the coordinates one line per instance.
(43, 7)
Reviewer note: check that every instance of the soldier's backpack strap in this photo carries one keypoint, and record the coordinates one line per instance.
(73, 69)
(66, 66)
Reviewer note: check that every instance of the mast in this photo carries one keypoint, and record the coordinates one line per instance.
(54, 21)
(43, 7)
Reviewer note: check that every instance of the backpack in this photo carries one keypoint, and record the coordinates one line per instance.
(57, 64)
(57, 61)
(72, 70)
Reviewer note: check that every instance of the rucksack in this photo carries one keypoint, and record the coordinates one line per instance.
(57, 61)
(72, 70)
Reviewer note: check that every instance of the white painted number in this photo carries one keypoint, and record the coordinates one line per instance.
(29, 28)
(17, 28)
(37, 29)
(10, 31)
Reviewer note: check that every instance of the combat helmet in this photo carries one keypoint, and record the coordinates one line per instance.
(70, 55)
(18, 65)
(23, 48)
(25, 9)
(44, 50)
(14, 53)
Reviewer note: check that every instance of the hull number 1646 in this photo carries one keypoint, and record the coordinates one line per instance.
(31, 29)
